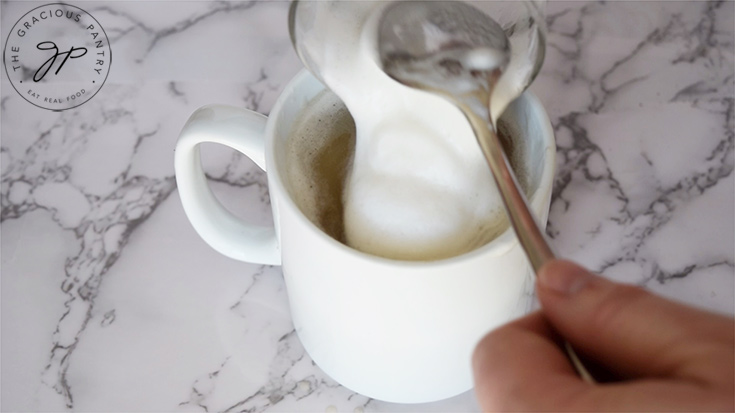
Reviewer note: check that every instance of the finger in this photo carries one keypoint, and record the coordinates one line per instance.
(646, 395)
(628, 330)
(520, 365)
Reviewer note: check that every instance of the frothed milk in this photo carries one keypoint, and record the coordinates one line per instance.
(419, 187)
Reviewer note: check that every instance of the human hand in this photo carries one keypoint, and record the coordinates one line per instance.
(665, 356)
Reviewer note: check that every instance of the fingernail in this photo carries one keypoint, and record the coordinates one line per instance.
(564, 278)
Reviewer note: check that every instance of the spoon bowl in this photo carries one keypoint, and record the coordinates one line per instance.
(448, 48)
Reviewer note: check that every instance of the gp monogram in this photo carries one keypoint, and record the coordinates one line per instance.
(57, 56)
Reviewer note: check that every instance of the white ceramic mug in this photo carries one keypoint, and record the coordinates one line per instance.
(392, 330)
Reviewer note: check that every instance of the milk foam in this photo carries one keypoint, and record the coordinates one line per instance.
(419, 188)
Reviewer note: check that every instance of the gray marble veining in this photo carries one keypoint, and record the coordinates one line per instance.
(111, 302)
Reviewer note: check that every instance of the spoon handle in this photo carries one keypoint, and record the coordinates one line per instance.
(521, 219)
(523, 222)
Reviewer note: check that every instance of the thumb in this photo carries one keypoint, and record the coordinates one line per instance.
(624, 328)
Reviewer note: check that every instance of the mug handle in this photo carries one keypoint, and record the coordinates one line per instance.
(244, 131)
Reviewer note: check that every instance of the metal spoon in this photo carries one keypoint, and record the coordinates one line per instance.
(458, 52)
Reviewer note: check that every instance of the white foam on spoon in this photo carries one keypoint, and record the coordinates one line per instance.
(419, 188)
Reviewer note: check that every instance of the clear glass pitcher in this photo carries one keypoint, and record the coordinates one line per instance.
(521, 20)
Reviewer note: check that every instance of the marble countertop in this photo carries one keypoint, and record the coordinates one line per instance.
(111, 302)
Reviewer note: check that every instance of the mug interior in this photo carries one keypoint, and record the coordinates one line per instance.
(525, 117)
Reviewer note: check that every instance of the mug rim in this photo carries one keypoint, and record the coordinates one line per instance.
(496, 246)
